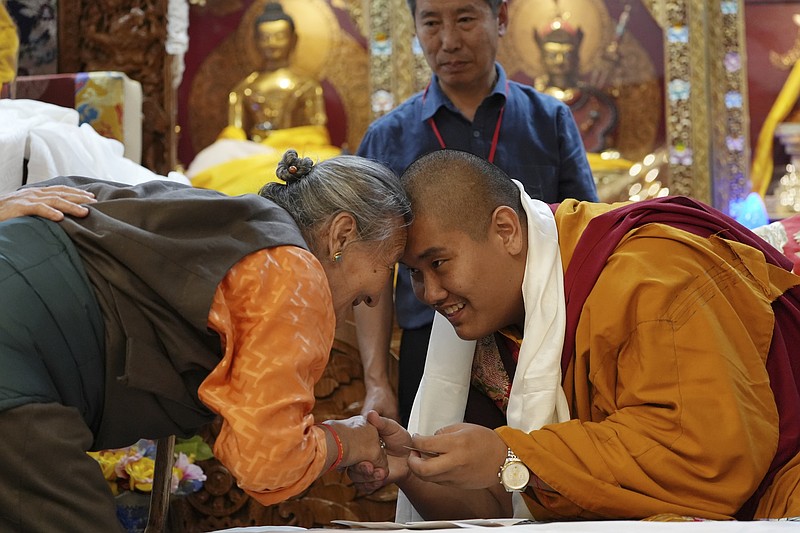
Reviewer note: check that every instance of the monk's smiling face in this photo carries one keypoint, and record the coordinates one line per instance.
(475, 283)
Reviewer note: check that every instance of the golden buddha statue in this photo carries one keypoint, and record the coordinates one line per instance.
(273, 109)
(277, 96)
(595, 111)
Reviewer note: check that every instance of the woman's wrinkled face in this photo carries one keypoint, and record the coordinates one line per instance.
(362, 272)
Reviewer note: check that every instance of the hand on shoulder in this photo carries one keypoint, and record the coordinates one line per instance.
(51, 202)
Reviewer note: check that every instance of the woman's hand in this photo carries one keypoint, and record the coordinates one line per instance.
(51, 202)
(394, 438)
(360, 445)
(469, 456)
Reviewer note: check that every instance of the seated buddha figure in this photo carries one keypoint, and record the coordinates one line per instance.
(271, 110)
(595, 111)
(277, 96)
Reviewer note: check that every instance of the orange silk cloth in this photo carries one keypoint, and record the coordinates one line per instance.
(274, 314)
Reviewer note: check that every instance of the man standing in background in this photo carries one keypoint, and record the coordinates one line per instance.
(469, 104)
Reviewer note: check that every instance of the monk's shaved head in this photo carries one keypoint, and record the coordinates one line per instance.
(460, 190)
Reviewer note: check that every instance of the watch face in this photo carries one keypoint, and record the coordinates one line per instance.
(515, 475)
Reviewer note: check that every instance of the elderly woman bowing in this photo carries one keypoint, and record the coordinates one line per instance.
(168, 305)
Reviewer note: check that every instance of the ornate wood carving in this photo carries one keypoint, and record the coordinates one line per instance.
(126, 36)
(221, 504)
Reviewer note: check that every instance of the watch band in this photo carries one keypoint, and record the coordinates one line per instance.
(514, 474)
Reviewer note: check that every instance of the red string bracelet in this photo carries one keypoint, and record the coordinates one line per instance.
(339, 447)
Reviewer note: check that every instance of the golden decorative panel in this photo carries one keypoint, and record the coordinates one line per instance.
(397, 68)
(730, 118)
(706, 87)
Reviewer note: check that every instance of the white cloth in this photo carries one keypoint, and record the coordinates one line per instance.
(775, 234)
(223, 151)
(177, 37)
(536, 397)
(49, 137)
(17, 119)
(12, 158)
(598, 526)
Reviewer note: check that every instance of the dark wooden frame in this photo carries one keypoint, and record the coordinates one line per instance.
(87, 35)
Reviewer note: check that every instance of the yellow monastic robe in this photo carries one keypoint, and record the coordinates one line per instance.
(671, 403)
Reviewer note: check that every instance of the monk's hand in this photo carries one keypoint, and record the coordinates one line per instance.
(394, 438)
(467, 456)
(51, 202)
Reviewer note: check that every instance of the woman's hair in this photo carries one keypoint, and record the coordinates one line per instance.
(314, 193)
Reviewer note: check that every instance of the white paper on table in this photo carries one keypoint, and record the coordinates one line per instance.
(430, 524)
(259, 529)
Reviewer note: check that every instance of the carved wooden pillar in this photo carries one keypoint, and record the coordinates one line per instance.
(126, 36)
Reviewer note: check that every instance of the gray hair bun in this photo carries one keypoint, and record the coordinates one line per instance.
(293, 168)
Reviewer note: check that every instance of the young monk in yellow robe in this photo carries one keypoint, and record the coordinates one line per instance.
(594, 361)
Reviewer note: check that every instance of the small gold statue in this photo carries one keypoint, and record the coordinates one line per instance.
(595, 111)
(276, 97)
(559, 45)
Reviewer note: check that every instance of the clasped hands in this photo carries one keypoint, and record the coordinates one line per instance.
(467, 456)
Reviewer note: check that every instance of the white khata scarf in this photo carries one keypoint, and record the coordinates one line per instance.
(536, 395)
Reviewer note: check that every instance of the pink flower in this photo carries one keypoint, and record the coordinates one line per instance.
(187, 477)
(132, 468)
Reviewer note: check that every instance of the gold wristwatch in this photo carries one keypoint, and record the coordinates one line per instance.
(514, 475)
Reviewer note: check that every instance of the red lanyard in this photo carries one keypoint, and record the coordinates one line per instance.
(495, 137)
